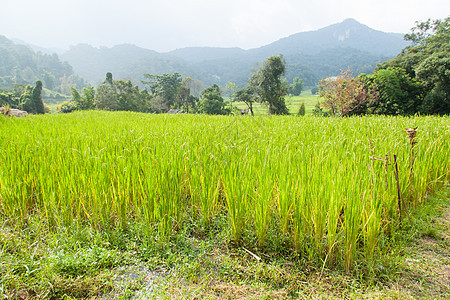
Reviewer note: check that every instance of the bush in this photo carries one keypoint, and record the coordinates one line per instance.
(66, 107)
(301, 110)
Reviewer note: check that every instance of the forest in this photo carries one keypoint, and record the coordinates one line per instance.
(415, 81)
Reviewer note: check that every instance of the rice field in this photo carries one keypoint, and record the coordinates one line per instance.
(326, 188)
(292, 102)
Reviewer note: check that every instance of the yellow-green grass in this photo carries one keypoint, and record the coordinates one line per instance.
(292, 102)
(315, 186)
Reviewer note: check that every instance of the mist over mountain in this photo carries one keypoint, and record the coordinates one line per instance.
(309, 55)
(20, 64)
(199, 54)
(347, 34)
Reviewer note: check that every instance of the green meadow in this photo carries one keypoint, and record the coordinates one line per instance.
(292, 102)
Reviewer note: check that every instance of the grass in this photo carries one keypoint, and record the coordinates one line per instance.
(182, 196)
(292, 102)
(37, 264)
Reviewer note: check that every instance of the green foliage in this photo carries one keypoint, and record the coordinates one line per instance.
(26, 102)
(66, 107)
(37, 98)
(26, 98)
(185, 100)
(268, 85)
(212, 102)
(85, 101)
(247, 96)
(397, 93)
(301, 110)
(109, 78)
(427, 61)
(214, 89)
(318, 111)
(165, 86)
(117, 95)
(296, 87)
(11, 98)
(88, 99)
(76, 97)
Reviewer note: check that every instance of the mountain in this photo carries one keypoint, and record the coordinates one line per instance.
(20, 64)
(347, 34)
(39, 48)
(93, 63)
(310, 55)
(198, 54)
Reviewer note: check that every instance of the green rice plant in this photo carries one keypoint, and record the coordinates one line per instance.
(204, 186)
(318, 182)
(262, 201)
(236, 186)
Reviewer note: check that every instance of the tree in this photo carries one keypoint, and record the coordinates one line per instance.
(343, 94)
(212, 102)
(395, 92)
(268, 85)
(318, 111)
(247, 96)
(195, 86)
(37, 98)
(76, 96)
(434, 72)
(49, 80)
(182, 98)
(31, 99)
(231, 89)
(427, 61)
(14, 98)
(88, 98)
(26, 102)
(119, 95)
(296, 87)
(85, 101)
(301, 110)
(214, 89)
(165, 86)
(109, 78)
(422, 30)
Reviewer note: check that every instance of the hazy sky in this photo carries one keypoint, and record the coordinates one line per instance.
(170, 24)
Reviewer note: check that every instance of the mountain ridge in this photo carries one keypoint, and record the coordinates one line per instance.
(311, 52)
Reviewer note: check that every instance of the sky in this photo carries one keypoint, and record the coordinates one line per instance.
(171, 24)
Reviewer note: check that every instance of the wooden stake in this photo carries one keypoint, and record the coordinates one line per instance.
(399, 195)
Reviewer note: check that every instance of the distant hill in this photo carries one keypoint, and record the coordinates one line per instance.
(309, 55)
(20, 64)
(199, 54)
(313, 55)
(347, 34)
(93, 63)
(39, 48)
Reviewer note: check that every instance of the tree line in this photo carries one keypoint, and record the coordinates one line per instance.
(416, 81)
